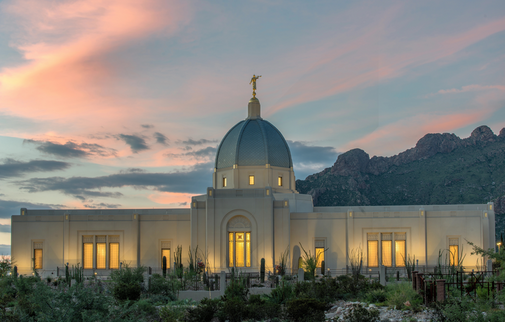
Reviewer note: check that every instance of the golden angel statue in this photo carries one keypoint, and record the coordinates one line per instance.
(253, 82)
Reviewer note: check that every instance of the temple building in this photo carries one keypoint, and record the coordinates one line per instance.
(251, 211)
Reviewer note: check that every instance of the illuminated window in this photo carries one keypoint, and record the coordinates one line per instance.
(100, 255)
(224, 182)
(387, 250)
(165, 252)
(87, 256)
(453, 251)
(279, 181)
(114, 255)
(230, 248)
(251, 180)
(373, 250)
(248, 249)
(37, 254)
(400, 253)
(319, 255)
(239, 249)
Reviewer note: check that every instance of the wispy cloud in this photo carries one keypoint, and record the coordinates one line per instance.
(71, 149)
(136, 142)
(393, 137)
(5, 228)
(198, 142)
(192, 181)
(67, 46)
(13, 168)
(161, 138)
(9, 208)
(469, 88)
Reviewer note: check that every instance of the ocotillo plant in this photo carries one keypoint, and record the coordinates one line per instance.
(164, 266)
(178, 267)
(262, 270)
(67, 275)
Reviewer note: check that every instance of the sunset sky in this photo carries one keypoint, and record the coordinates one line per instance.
(121, 104)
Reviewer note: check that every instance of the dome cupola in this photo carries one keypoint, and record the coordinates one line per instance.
(254, 154)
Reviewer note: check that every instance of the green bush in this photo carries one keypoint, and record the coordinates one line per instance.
(126, 282)
(174, 313)
(234, 309)
(358, 313)
(281, 294)
(205, 311)
(376, 296)
(162, 286)
(305, 310)
(260, 309)
(399, 293)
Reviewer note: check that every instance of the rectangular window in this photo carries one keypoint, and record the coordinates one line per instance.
(251, 180)
(387, 249)
(37, 254)
(400, 253)
(230, 249)
(165, 252)
(113, 255)
(248, 249)
(100, 255)
(453, 251)
(87, 255)
(239, 237)
(373, 253)
(319, 255)
(224, 182)
(279, 181)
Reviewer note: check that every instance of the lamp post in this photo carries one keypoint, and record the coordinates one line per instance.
(499, 246)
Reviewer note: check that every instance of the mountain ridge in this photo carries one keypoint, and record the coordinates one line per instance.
(440, 169)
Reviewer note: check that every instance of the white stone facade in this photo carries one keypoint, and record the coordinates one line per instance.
(275, 216)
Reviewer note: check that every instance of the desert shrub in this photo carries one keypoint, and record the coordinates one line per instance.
(305, 309)
(126, 282)
(172, 313)
(234, 309)
(376, 296)
(205, 311)
(159, 299)
(281, 294)
(236, 288)
(358, 313)
(162, 286)
(259, 308)
(399, 293)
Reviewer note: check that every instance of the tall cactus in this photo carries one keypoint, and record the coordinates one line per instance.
(323, 267)
(67, 275)
(262, 270)
(164, 266)
(15, 273)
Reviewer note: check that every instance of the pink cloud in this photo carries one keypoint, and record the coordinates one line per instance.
(179, 200)
(368, 57)
(66, 73)
(471, 88)
(395, 137)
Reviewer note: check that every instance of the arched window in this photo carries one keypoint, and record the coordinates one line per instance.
(239, 242)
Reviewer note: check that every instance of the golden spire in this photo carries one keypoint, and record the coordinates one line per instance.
(253, 82)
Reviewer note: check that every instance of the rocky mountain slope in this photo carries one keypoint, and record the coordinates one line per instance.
(440, 169)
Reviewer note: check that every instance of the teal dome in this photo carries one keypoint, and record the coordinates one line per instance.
(253, 142)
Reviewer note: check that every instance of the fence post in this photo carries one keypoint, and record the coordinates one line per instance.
(414, 280)
(418, 283)
(301, 275)
(440, 290)
(382, 270)
(222, 282)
